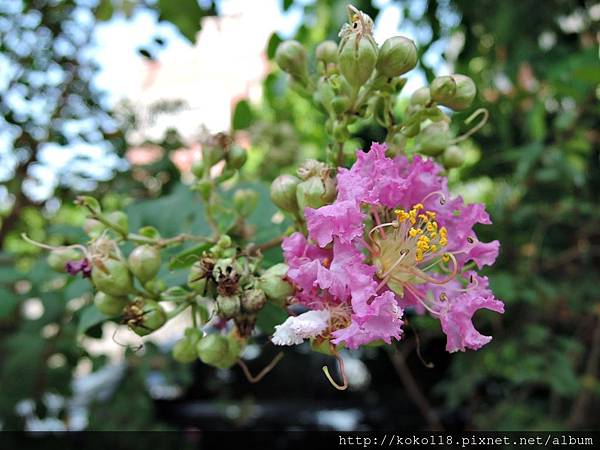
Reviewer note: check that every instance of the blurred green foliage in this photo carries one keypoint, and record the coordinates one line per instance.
(535, 164)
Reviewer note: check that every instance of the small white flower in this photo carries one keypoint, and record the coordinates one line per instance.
(303, 326)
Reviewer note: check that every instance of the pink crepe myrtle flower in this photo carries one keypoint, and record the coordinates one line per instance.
(393, 239)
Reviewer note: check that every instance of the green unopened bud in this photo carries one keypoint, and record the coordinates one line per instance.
(245, 201)
(112, 277)
(315, 192)
(93, 228)
(61, 256)
(325, 93)
(411, 130)
(224, 241)
(228, 306)
(253, 300)
(198, 275)
(234, 348)
(274, 285)
(144, 262)
(421, 97)
(291, 57)
(144, 316)
(120, 220)
(465, 93)
(204, 187)
(213, 349)
(396, 56)
(212, 154)
(434, 138)
(198, 168)
(236, 157)
(184, 351)
(357, 57)
(454, 156)
(109, 305)
(340, 104)
(443, 89)
(283, 192)
(327, 51)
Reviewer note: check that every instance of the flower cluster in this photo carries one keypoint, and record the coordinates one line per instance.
(393, 239)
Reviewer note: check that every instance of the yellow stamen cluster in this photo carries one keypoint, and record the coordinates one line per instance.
(428, 236)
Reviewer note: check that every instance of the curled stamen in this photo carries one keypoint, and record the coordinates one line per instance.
(473, 283)
(421, 300)
(419, 273)
(377, 221)
(383, 225)
(128, 347)
(51, 247)
(255, 379)
(340, 362)
(403, 253)
(476, 128)
(440, 193)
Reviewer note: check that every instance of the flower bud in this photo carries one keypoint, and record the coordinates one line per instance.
(112, 277)
(212, 154)
(253, 300)
(204, 187)
(291, 57)
(58, 258)
(245, 201)
(434, 138)
(213, 349)
(283, 192)
(228, 306)
(236, 157)
(443, 89)
(144, 262)
(119, 219)
(184, 351)
(421, 97)
(327, 51)
(234, 348)
(465, 93)
(93, 228)
(357, 57)
(325, 93)
(274, 285)
(315, 192)
(198, 275)
(340, 104)
(224, 241)
(109, 305)
(396, 56)
(453, 157)
(144, 316)
(198, 168)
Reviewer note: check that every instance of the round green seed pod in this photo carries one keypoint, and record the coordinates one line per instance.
(228, 306)
(327, 52)
(283, 192)
(273, 284)
(253, 300)
(120, 219)
(109, 304)
(112, 277)
(397, 56)
(144, 262)
(357, 58)
(434, 138)
(291, 58)
(245, 201)
(236, 157)
(184, 351)
(198, 168)
(213, 349)
(443, 89)
(465, 93)
(454, 156)
(144, 316)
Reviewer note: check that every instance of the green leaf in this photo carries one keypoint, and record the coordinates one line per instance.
(188, 256)
(89, 317)
(105, 10)
(186, 15)
(149, 232)
(242, 116)
(287, 4)
(274, 42)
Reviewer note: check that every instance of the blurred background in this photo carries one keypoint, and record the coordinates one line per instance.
(113, 97)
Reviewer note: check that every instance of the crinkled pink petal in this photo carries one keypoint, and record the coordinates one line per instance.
(456, 318)
(341, 219)
(382, 321)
